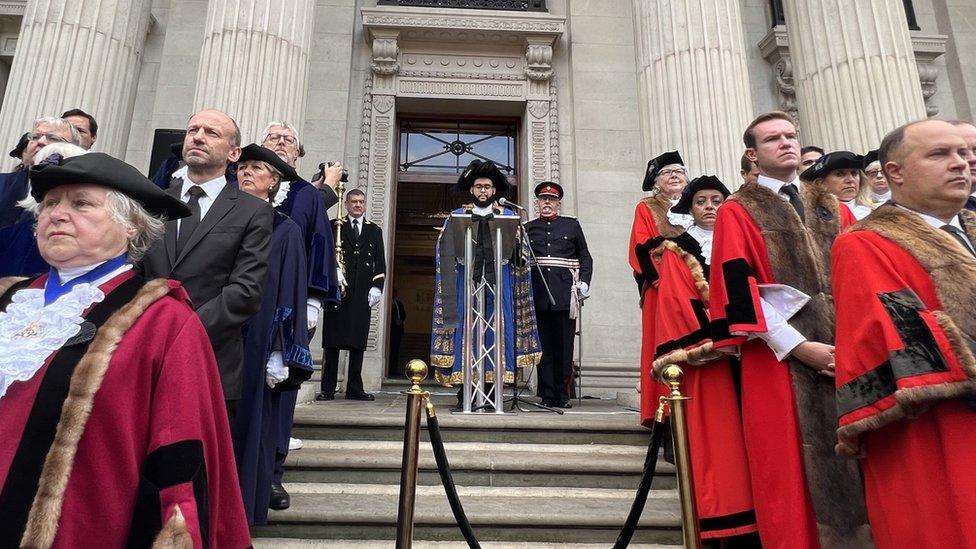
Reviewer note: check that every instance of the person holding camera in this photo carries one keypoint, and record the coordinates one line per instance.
(348, 321)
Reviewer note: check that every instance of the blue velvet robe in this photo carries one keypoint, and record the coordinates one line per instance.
(306, 206)
(522, 346)
(18, 245)
(279, 325)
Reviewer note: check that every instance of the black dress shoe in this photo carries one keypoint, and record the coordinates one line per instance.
(322, 396)
(361, 396)
(564, 404)
(279, 498)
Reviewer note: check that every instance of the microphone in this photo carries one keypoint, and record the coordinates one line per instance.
(506, 202)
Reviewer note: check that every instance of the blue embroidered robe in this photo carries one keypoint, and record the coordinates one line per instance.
(279, 325)
(522, 347)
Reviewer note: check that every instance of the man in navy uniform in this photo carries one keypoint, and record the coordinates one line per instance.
(560, 250)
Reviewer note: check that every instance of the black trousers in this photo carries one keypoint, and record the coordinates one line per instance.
(556, 333)
(354, 377)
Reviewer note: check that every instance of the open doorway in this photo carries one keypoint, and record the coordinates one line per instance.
(432, 154)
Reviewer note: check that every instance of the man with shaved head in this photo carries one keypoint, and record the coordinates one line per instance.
(219, 253)
(904, 284)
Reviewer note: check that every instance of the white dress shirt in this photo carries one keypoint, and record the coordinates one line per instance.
(704, 238)
(880, 198)
(860, 211)
(212, 188)
(937, 223)
(776, 185)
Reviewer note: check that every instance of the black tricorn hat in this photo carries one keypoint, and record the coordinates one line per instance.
(21, 145)
(869, 158)
(702, 183)
(257, 152)
(837, 160)
(549, 188)
(478, 169)
(656, 164)
(102, 169)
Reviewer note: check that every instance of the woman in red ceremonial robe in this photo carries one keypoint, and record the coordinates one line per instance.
(114, 432)
(905, 290)
(665, 178)
(682, 335)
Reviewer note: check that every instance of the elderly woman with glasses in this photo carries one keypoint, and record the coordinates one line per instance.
(665, 178)
(276, 355)
(111, 402)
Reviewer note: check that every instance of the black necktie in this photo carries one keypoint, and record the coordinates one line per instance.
(355, 228)
(793, 194)
(484, 254)
(958, 235)
(188, 224)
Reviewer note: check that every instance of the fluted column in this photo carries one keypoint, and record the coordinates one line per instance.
(77, 53)
(854, 71)
(254, 61)
(692, 82)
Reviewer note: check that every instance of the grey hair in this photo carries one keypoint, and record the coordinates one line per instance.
(66, 150)
(277, 124)
(60, 123)
(132, 215)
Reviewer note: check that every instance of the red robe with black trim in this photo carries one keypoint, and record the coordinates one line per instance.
(157, 437)
(905, 376)
(740, 262)
(645, 235)
(718, 456)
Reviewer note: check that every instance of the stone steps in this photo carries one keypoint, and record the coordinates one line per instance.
(501, 514)
(284, 543)
(479, 464)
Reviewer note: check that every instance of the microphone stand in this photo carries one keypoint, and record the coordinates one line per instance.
(516, 398)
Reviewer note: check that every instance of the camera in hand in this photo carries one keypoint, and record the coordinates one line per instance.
(345, 173)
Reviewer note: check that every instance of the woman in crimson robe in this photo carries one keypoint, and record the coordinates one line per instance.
(114, 431)
(682, 336)
(276, 355)
(665, 178)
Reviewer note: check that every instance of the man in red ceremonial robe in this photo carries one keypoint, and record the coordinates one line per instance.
(904, 281)
(665, 178)
(113, 430)
(770, 303)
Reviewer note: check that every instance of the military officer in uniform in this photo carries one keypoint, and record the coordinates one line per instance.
(347, 323)
(560, 251)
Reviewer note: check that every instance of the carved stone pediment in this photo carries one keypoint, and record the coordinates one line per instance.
(453, 25)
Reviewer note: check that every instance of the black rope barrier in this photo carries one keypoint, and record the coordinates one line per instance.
(447, 479)
(644, 488)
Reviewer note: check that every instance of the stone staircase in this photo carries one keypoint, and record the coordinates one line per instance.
(532, 480)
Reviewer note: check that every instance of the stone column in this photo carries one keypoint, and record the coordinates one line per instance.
(854, 71)
(692, 82)
(77, 53)
(254, 62)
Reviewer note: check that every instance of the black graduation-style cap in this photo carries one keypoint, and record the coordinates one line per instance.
(705, 182)
(21, 145)
(550, 189)
(869, 158)
(655, 165)
(478, 169)
(837, 160)
(257, 152)
(102, 169)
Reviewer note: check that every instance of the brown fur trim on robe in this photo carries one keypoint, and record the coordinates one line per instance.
(660, 207)
(174, 534)
(799, 255)
(953, 272)
(8, 281)
(45, 513)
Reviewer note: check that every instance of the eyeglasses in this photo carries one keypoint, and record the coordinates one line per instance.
(672, 171)
(51, 138)
(483, 187)
(872, 173)
(290, 140)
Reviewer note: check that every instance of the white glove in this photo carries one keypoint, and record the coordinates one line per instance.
(275, 372)
(375, 295)
(584, 289)
(340, 277)
(313, 308)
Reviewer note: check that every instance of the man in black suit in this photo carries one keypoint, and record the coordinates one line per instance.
(347, 324)
(219, 253)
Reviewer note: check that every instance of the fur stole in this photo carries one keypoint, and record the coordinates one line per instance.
(953, 272)
(799, 256)
(659, 207)
(45, 513)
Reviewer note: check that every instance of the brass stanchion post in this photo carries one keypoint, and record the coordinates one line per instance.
(686, 486)
(416, 372)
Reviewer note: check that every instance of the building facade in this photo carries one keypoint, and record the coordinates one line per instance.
(583, 92)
